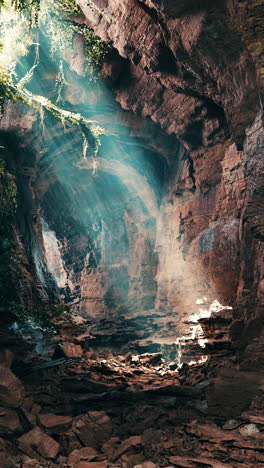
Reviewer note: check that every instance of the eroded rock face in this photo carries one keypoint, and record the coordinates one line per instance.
(177, 59)
(11, 389)
(183, 224)
(175, 69)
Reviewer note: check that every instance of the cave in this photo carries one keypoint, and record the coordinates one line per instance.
(131, 234)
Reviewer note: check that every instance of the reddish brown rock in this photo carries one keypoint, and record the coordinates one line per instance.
(30, 463)
(133, 443)
(93, 428)
(69, 442)
(191, 462)
(54, 423)
(147, 464)
(37, 444)
(84, 454)
(109, 448)
(11, 389)
(9, 422)
(69, 350)
(84, 464)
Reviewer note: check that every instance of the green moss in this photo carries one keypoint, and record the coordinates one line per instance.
(8, 194)
(35, 315)
(69, 7)
(30, 8)
(61, 31)
(95, 51)
(8, 253)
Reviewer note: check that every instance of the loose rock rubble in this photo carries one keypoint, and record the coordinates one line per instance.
(80, 408)
(132, 411)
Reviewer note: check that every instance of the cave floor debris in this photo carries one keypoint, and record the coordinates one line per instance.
(122, 411)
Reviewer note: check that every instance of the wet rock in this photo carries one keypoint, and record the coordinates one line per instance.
(37, 444)
(147, 359)
(11, 389)
(93, 428)
(54, 423)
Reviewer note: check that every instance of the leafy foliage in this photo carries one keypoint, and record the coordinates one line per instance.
(30, 8)
(8, 206)
(56, 17)
(10, 266)
(35, 315)
(8, 192)
(95, 50)
(90, 131)
(69, 7)
(61, 31)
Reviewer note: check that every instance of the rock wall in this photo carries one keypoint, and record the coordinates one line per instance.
(31, 283)
(169, 217)
(196, 70)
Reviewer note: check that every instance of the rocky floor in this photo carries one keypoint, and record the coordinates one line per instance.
(82, 409)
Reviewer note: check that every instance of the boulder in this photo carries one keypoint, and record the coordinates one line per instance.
(54, 423)
(93, 428)
(37, 444)
(11, 389)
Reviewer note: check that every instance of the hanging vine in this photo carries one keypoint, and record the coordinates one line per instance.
(89, 129)
(61, 32)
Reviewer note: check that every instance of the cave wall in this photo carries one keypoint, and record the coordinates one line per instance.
(196, 70)
(30, 284)
(172, 217)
